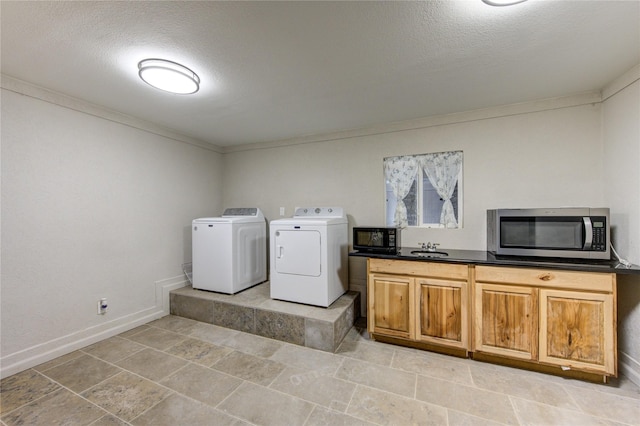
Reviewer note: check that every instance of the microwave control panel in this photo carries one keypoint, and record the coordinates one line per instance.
(392, 237)
(599, 234)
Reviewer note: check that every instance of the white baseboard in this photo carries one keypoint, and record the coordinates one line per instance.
(629, 367)
(43, 352)
(164, 287)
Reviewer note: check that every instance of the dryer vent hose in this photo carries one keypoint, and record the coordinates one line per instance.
(188, 271)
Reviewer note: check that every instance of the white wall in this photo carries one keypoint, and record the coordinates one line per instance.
(91, 208)
(621, 134)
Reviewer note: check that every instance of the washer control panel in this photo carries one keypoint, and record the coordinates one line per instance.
(240, 211)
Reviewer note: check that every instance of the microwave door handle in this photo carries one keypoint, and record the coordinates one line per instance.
(588, 233)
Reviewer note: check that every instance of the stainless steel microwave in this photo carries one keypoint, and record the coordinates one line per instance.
(581, 233)
(376, 239)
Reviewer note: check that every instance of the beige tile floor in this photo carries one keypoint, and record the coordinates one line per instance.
(176, 371)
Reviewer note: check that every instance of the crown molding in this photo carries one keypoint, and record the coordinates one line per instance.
(27, 89)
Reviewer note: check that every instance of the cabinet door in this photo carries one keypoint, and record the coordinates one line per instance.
(506, 320)
(577, 330)
(442, 308)
(391, 307)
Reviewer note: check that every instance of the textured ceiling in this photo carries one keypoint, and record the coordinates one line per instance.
(279, 70)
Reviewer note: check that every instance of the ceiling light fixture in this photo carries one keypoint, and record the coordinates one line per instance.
(502, 2)
(168, 76)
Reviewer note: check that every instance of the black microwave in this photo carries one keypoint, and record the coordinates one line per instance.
(376, 239)
(581, 233)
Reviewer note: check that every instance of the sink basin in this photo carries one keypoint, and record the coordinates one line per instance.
(428, 253)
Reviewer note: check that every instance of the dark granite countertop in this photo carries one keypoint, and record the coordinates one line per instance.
(477, 257)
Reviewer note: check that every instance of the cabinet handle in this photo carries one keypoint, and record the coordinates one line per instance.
(546, 277)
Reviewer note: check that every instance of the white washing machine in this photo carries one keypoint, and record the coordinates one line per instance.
(229, 252)
(308, 256)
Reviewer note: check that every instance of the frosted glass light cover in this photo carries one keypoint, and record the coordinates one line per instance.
(168, 76)
(502, 2)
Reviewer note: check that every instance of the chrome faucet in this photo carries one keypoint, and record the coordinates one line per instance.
(429, 246)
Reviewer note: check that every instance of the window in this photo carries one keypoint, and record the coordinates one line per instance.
(424, 190)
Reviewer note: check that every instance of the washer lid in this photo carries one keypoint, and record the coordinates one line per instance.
(213, 220)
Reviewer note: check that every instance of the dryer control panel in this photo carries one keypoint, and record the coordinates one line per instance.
(319, 212)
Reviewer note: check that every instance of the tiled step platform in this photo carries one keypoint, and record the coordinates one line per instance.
(253, 311)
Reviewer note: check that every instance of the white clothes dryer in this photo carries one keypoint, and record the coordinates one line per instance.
(308, 256)
(229, 252)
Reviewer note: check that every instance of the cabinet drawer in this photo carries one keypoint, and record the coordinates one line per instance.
(590, 281)
(415, 268)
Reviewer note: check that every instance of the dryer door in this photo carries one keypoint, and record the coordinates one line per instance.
(297, 252)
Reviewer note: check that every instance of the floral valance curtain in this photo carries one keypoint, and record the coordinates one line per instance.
(400, 172)
(442, 170)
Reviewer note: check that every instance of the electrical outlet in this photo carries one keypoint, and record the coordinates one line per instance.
(102, 306)
(281, 211)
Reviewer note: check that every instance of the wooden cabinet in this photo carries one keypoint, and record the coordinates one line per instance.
(421, 302)
(550, 320)
(391, 305)
(507, 320)
(556, 318)
(577, 330)
(442, 311)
